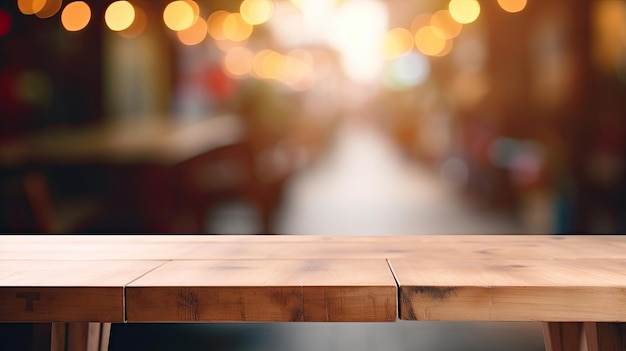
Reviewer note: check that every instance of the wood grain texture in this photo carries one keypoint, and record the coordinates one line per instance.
(511, 290)
(190, 247)
(265, 290)
(317, 278)
(64, 291)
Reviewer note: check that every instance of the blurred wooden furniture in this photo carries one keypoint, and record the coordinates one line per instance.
(570, 283)
(142, 158)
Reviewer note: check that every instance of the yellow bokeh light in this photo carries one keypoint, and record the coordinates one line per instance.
(49, 9)
(512, 6)
(138, 26)
(235, 28)
(30, 7)
(446, 49)
(195, 34)
(464, 11)
(268, 64)
(397, 42)
(444, 21)
(195, 7)
(179, 15)
(238, 61)
(430, 41)
(256, 11)
(216, 24)
(75, 16)
(119, 15)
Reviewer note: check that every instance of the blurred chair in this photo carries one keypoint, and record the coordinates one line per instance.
(31, 207)
(232, 172)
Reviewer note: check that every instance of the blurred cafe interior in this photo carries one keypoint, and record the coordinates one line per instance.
(222, 116)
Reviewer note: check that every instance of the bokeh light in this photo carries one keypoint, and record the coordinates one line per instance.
(49, 9)
(5, 22)
(238, 61)
(75, 16)
(268, 64)
(444, 21)
(179, 15)
(235, 28)
(256, 11)
(464, 11)
(138, 26)
(195, 34)
(397, 42)
(215, 24)
(430, 41)
(119, 15)
(30, 7)
(512, 6)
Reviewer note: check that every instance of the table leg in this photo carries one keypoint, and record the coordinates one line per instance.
(563, 336)
(606, 336)
(75, 336)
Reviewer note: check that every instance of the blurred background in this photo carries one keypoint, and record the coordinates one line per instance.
(513, 110)
(342, 117)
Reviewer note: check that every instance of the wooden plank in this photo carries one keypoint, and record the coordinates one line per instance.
(157, 247)
(64, 291)
(265, 290)
(511, 290)
(68, 249)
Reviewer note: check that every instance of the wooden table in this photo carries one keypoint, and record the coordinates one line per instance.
(571, 283)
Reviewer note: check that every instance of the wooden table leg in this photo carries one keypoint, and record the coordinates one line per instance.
(606, 336)
(563, 336)
(75, 336)
(58, 335)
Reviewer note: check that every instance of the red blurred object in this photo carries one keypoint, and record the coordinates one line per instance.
(219, 84)
(5, 22)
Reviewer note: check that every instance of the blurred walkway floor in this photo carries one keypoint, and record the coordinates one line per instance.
(363, 186)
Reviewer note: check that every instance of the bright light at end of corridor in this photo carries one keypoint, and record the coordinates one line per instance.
(119, 15)
(464, 11)
(75, 16)
(358, 32)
